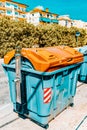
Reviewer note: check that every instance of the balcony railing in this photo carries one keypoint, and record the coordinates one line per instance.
(48, 20)
(54, 20)
(44, 19)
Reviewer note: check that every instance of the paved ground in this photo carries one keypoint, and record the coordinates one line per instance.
(4, 89)
(69, 119)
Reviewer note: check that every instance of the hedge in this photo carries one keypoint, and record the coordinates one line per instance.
(23, 34)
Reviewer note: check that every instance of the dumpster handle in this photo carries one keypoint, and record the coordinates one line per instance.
(16, 80)
(70, 59)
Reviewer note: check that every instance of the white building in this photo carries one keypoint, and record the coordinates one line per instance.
(80, 24)
(64, 20)
(39, 16)
(33, 18)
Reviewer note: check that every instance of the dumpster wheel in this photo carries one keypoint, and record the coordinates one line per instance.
(46, 126)
(71, 104)
(20, 115)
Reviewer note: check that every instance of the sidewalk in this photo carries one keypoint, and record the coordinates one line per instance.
(69, 119)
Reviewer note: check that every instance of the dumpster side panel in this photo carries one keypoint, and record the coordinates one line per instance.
(74, 82)
(11, 77)
(63, 86)
(32, 88)
(35, 94)
(12, 90)
(83, 72)
(82, 77)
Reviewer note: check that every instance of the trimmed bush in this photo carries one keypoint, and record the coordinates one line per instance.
(20, 33)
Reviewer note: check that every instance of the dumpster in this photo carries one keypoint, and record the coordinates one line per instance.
(42, 81)
(83, 69)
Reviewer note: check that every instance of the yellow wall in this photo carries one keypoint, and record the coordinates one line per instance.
(20, 11)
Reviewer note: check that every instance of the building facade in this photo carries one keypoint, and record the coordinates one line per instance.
(39, 16)
(64, 20)
(17, 11)
(80, 24)
(12, 9)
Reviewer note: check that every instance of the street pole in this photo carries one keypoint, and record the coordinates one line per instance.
(77, 35)
(76, 41)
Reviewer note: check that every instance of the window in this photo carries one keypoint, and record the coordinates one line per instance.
(9, 12)
(71, 24)
(66, 23)
(41, 15)
(47, 15)
(23, 9)
(0, 3)
(51, 15)
(15, 6)
(20, 8)
(23, 15)
(8, 4)
(16, 13)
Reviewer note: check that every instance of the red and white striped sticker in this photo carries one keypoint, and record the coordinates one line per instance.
(47, 95)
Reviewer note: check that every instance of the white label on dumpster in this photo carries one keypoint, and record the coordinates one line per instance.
(47, 95)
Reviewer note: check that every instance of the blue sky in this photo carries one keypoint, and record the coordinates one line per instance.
(77, 9)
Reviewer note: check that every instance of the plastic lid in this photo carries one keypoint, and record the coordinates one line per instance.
(49, 58)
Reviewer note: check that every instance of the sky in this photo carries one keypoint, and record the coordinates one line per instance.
(76, 9)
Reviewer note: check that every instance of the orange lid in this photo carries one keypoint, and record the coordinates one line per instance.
(49, 58)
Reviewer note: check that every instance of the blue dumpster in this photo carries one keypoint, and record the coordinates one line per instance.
(41, 96)
(83, 69)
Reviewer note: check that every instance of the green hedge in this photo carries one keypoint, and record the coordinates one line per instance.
(18, 33)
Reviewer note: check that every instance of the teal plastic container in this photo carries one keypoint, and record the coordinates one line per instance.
(83, 69)
(43, 94)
